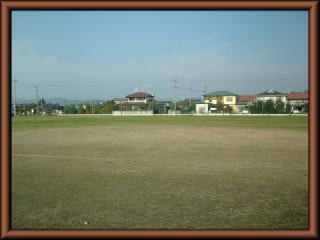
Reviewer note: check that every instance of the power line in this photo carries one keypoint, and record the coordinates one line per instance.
(255, 80)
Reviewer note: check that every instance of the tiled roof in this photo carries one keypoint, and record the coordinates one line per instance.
(247, 98)
(298, 96)
(143, 103)
(220, 93)
(272, 92)
(139, 95)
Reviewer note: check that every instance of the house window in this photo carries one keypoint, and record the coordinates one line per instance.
(229, 99)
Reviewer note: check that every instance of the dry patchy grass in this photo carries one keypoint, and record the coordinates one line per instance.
(158, 176)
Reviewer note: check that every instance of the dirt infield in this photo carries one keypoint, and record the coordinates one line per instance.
(158, 176)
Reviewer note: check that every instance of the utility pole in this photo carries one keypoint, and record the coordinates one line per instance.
(14, 98)
(190, 95)
(174, 86)
(37, 91)
(203, 90)
(92, 107)
(41, 104)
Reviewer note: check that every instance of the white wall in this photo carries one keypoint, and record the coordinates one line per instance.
(273, 98)
(150, 112)
(202, 108)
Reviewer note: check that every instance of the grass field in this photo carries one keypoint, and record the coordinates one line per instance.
(160, 172)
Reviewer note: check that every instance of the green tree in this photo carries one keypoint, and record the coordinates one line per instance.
(279, 108)
(193, 106)
(228, 109)
(259, 107)
(108, 107)
(288, 108)
(219, 107)
(42, 102)
(81, 110)
(253, 108)
(97, 108)
(116, 107)
(268, 106)
(70, 109)
(305, 107)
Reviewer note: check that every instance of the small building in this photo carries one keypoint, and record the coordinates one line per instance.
(271, 95)
(202, 108)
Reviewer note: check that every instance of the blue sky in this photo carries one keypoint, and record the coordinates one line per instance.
(107, 54)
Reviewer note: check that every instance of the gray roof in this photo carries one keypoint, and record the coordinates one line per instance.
(272, 92)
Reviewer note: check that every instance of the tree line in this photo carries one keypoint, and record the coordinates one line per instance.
(270, 107)
(105, 107)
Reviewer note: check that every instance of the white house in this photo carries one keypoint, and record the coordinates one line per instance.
(138, 103)
(140, 97)
(271, 95)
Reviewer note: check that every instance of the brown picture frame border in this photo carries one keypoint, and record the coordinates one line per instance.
(8, 6)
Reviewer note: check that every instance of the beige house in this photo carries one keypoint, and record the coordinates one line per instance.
(225, 97)
(221, 101)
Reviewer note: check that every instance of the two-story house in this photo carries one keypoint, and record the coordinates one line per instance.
(220, 101)
(140, 97)
(271, 95)
(298, 101)
(141, 103)
(138, 101)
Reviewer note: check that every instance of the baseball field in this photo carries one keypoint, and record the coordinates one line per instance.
(159, 172)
